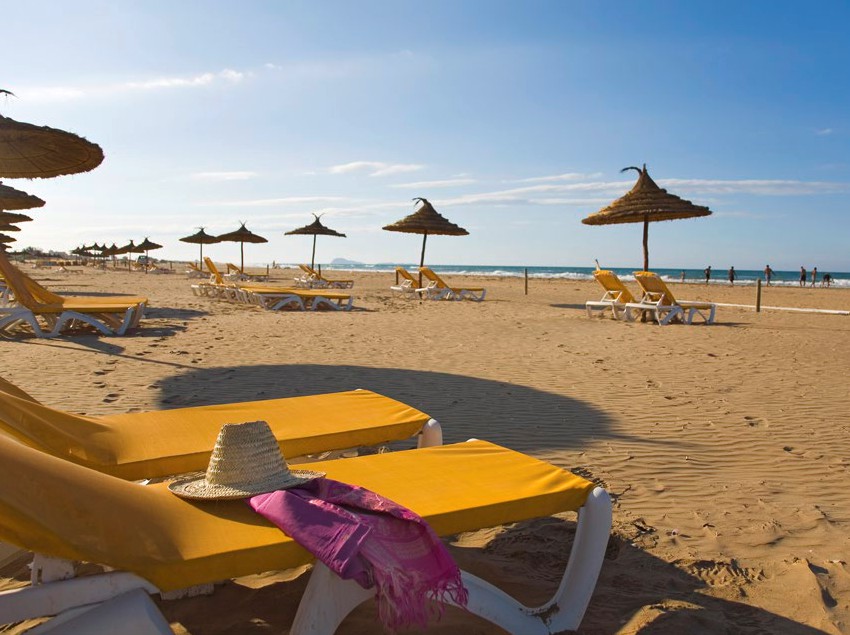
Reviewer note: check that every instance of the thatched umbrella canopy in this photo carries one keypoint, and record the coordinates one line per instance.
(6, 239)
(10, 198)
(200, 238)
(242, 236)
(8, 227)
(146, 246)
(426, 220)
(315, 228)
(12, 217)
(32, 152)
(645, 203)
(129, 248)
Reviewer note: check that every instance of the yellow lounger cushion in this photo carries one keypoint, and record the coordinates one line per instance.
(161, 443)
(65, 510)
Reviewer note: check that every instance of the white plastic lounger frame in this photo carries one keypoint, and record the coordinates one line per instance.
(662, 313)
(106, 323)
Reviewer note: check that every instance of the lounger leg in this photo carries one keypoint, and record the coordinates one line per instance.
(430, 435)
(326, 601)
(328, 598)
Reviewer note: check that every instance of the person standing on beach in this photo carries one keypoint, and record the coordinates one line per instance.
(707, 274)
(802, 276)
(814, 276)
(826, 280)
(768, 274)
(683, 275)
(732, 276)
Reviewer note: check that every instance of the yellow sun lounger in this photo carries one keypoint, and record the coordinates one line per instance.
(409, 284)
(658, 300)
(316, 279)
(238, 274)
(48, 314)
(160, 443)
(437, 289)
(616, 295)
(156, 541)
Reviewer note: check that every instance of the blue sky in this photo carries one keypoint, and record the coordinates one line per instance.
(512, 118)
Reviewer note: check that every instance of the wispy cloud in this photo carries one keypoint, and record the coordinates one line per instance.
(375, 168)
(823, 132)
(435, 184)
(767, 187)
(223, 176)
(268, 202)
(569, 176)
(69, 93)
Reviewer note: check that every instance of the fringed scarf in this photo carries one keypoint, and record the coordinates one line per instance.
(365, 537)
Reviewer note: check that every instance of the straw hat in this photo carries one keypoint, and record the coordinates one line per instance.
(245, 461)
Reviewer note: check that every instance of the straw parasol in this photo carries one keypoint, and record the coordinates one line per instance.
(8, 227)
(31, 152)
(146, 246)
(242, 236)
(10, 199)
(200, 238)
(315, 228)
(426, 220)
(645, 203)
(129, 248)
(12, 217)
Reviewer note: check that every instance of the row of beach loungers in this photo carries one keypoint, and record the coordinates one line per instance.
(73, 491)
(656, 301)
(436, 288)
(272, 297)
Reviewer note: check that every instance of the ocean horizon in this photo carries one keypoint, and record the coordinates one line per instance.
(692, 276)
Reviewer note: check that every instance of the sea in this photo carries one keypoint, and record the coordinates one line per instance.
(692, 276)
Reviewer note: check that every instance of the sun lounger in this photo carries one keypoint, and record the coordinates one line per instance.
(48, 314)
(437, 289)
(193, 271)
(616, 295)
(659, 302)
(315, 279)
(409, 284)
(165, 442)
(153, 540)
(235, 273)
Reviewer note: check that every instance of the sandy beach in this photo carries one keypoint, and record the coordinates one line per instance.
(726, 448)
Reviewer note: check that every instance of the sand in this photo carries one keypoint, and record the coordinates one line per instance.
(725, 447)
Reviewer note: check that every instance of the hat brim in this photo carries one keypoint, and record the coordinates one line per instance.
(196, 487)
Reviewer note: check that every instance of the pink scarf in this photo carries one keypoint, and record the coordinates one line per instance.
(363, 536)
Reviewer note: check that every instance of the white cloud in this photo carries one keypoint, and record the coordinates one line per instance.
(824, 132)
(68, 93)
(376, 168)
(569, 176)
(224, 176)
(443, 183)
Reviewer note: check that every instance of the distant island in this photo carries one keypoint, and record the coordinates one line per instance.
(344, 261)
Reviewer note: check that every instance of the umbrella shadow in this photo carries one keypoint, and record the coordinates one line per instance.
(175, 314)
(519, 417)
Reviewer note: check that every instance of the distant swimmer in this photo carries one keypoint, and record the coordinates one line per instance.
(768, 274)
(707, 274)
(732, 275)
(802, 276)
(826, 280)
(683, 275)
(814, 276)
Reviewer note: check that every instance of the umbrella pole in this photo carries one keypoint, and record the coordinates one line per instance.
(201, 261)
(147, 260)
(242, 257)
(645, 243)
(422, 258)
(313, 257)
